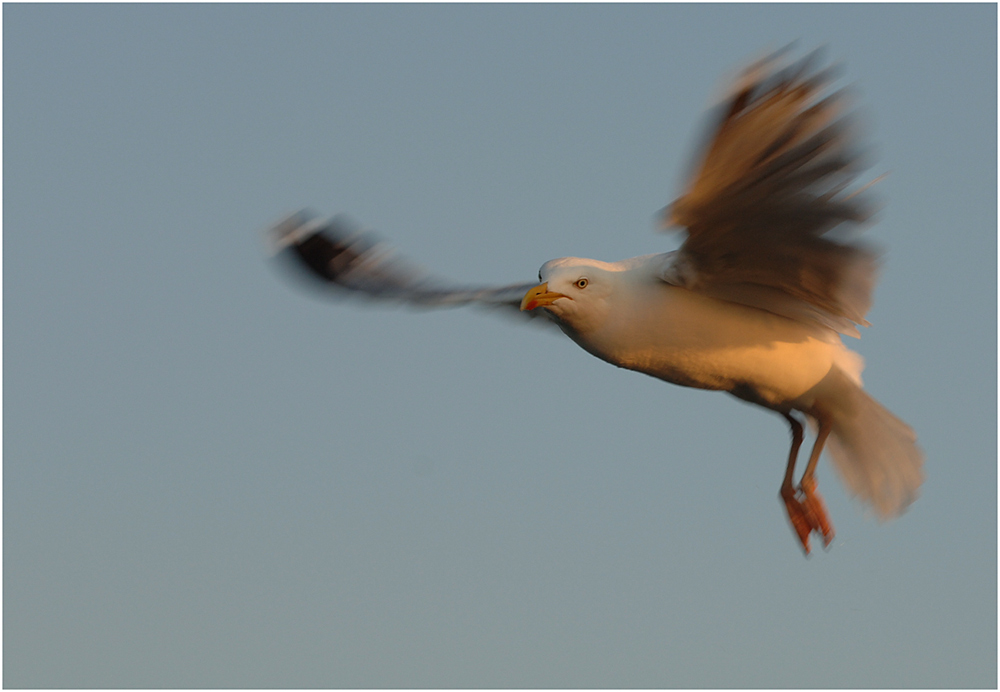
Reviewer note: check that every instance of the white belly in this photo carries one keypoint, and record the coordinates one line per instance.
(688, 339)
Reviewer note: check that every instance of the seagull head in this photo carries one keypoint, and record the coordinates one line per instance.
(575, 291)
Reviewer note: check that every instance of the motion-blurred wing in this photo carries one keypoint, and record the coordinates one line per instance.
(338, 255)
(771, 185)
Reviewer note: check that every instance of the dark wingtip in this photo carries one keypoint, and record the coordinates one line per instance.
(325, 247)
(291, 229)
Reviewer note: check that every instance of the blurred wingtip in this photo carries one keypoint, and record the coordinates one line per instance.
(292, 229)
(670, 219)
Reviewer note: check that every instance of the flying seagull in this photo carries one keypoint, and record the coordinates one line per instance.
(753, 303)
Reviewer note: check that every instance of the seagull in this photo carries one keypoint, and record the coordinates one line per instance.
(753, 302)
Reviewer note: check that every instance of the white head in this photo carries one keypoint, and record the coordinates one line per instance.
(576, 291)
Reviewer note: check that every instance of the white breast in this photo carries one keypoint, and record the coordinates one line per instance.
(682, 337)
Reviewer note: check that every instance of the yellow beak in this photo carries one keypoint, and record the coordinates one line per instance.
(539, 297)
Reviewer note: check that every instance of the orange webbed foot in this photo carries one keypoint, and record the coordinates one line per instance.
(807, 513)
(817, 509)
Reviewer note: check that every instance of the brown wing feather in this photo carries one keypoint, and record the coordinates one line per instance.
(771, 185)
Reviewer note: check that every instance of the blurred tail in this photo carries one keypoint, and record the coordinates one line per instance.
(875, 453)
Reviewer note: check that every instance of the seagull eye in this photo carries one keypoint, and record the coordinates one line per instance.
(539, 277)
(581, 283)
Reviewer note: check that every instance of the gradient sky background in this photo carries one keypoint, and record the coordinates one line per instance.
(213, 479)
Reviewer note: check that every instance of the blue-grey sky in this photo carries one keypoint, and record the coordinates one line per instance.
(214, 479)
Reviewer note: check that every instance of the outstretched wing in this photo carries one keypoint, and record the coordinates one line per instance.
(773, 182)
(335, 254)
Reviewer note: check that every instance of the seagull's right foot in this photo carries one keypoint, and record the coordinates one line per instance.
(799, 515)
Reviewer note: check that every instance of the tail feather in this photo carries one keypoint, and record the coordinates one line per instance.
(876, 454)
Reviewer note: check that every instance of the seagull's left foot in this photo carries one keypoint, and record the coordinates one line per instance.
(807, 513)
(817, 509)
